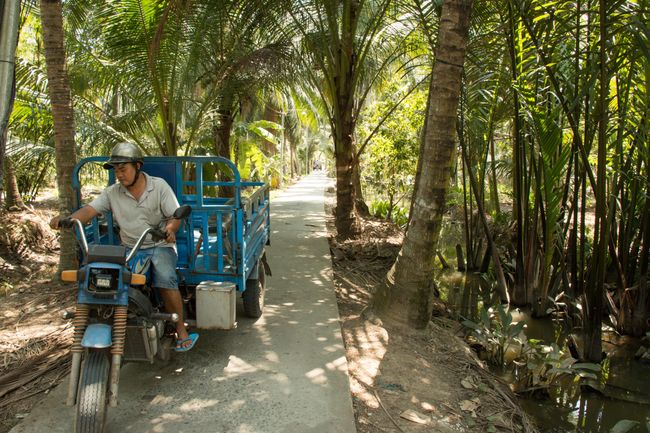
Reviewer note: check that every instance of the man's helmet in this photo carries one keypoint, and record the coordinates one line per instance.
(124, 152)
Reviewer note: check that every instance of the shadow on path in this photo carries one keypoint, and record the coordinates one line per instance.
(285, 372)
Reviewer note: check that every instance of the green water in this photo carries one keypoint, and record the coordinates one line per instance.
(591, 412)
(568, 409)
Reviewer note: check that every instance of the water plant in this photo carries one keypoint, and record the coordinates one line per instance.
(535, 364)
(496, 332)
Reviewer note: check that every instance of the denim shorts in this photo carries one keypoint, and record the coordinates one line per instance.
(163, 266)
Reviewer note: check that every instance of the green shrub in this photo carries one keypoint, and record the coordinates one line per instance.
(382, 209)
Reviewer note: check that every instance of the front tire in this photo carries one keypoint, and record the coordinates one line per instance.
(255, 292)
(92, 400)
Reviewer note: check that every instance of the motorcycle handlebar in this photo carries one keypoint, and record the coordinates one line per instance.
(66, 223)
(73, 222)
(138, 244)
(158, 235)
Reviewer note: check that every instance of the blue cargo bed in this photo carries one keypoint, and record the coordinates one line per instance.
(225, 236)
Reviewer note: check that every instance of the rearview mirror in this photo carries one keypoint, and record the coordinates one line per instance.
(182, 212)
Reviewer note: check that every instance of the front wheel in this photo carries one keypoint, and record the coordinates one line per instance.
(92, 401)
(254, 294)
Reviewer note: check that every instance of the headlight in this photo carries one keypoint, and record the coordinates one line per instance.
(103, 281)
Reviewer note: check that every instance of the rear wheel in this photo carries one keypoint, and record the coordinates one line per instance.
(254, 294)
(92, 401)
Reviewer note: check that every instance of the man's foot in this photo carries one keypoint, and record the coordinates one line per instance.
(185, 344)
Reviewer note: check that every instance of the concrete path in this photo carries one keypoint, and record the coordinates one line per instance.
(283, 373)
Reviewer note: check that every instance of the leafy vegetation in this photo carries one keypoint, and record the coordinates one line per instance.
(390, 162)
(259, 88)
(537, 365)
(545, 167)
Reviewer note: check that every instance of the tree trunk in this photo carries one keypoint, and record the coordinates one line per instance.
(9, 29)
(345, 215)
(3, 141)
(13, 200)
(408, 289)
(295, 169)
(594, 291)
(62, 114)
(359, 203)
(343, 123)
(272, 114)
(221, 133)
(519, 295)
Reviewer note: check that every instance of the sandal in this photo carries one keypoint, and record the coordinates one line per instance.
(180, 343)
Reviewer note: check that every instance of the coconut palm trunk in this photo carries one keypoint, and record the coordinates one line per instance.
(345, 192)
(342, 71)
(13, 200)
(9, 29)
(59, 90)
(222, 132)
(409, 282)
(343, 121)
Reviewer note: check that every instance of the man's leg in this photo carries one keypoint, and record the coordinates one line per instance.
(166, 282)
(174, 304)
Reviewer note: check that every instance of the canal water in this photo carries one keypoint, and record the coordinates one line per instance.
(570, 408)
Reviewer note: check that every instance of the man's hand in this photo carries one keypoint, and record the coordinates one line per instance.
(59, 222)
(170, 230)
(55, 223)
(84, 215)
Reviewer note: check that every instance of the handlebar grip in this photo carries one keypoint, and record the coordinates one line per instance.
(66, 223)
(158, 235)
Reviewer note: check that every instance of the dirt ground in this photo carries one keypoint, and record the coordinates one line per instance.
(405, 380)
(401, 380)
(34, 338)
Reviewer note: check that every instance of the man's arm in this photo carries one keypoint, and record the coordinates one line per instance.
(84, 215)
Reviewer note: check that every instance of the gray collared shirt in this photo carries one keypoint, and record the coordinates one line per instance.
(157, 202)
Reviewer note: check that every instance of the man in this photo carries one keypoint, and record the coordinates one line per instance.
(139, 201)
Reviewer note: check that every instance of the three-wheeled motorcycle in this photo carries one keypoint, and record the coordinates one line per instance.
(119, 318)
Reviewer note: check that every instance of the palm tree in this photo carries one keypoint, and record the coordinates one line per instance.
(408, 289)
(579, 47)
(248, 72)
(9, 29)
(59, 90)
(338, 46)
(152, 49)
(171, 77)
